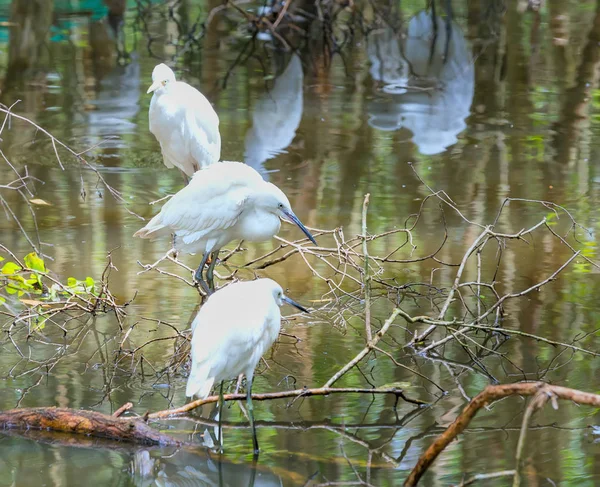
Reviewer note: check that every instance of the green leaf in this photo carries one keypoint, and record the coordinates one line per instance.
(10, 268)
(41, 324)
(18, 282)
(89, 282)
(2, 298)
(71, 282)
(33, 261)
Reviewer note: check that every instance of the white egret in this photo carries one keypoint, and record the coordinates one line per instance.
(230, 334)
(184, 123)
(223, 202)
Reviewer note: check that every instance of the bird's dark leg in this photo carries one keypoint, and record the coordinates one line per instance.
(221, 417)
(211, 269)
(251, 414)
(198, 274)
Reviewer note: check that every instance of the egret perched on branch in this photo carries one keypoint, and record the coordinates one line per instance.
(230, 334)
(223, 202)
(184, 123)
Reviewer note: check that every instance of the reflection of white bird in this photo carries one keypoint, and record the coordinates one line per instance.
(184, 123)
(223, 202)
(116, 103)
(387, 63)
(276, 116)
(437, 89)
(230, 334)
(196, 468)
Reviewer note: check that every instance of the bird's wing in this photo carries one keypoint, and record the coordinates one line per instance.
(222, 346)
(213, 200)
(203, 124)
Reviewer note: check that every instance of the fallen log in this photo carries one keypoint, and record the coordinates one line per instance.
(89, 423)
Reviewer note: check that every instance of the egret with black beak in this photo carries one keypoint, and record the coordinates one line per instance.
(223, 202)
(230, 334)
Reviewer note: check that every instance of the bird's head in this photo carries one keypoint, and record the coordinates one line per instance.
(279, 296)
(275, 201)
(162, 75)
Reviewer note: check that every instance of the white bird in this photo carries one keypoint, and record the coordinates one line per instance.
(223, 202)
(184, 123)
(230, 334)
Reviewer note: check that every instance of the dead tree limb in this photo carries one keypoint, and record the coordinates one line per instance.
(542, 392)
(322, 391)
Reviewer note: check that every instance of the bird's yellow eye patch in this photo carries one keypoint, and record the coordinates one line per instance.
(164, 83)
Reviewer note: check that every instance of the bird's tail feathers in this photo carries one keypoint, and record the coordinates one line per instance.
(198, 383)
(153, 229)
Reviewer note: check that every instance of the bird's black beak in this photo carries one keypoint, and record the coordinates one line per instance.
(293, 218)
(294, 304)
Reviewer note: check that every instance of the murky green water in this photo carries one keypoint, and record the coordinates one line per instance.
(521, 121)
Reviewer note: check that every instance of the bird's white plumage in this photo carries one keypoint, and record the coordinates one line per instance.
(223, 202)
(232, 331)
(184, 123)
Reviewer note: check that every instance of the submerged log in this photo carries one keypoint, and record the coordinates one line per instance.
(87, 423)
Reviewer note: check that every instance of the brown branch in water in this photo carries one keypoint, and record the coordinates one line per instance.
(322, 391)
(541, 391)
(89, 423)
(125, 407)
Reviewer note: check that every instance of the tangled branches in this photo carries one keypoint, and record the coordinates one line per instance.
(358, 278)
(453, 311)
(324, 27)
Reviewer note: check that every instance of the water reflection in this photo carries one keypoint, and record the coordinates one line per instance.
(116, 105)
(276, 117)
(194, 469)
(28, 46)
(427, 78)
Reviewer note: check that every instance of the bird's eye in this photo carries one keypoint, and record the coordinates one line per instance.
(280, 205)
